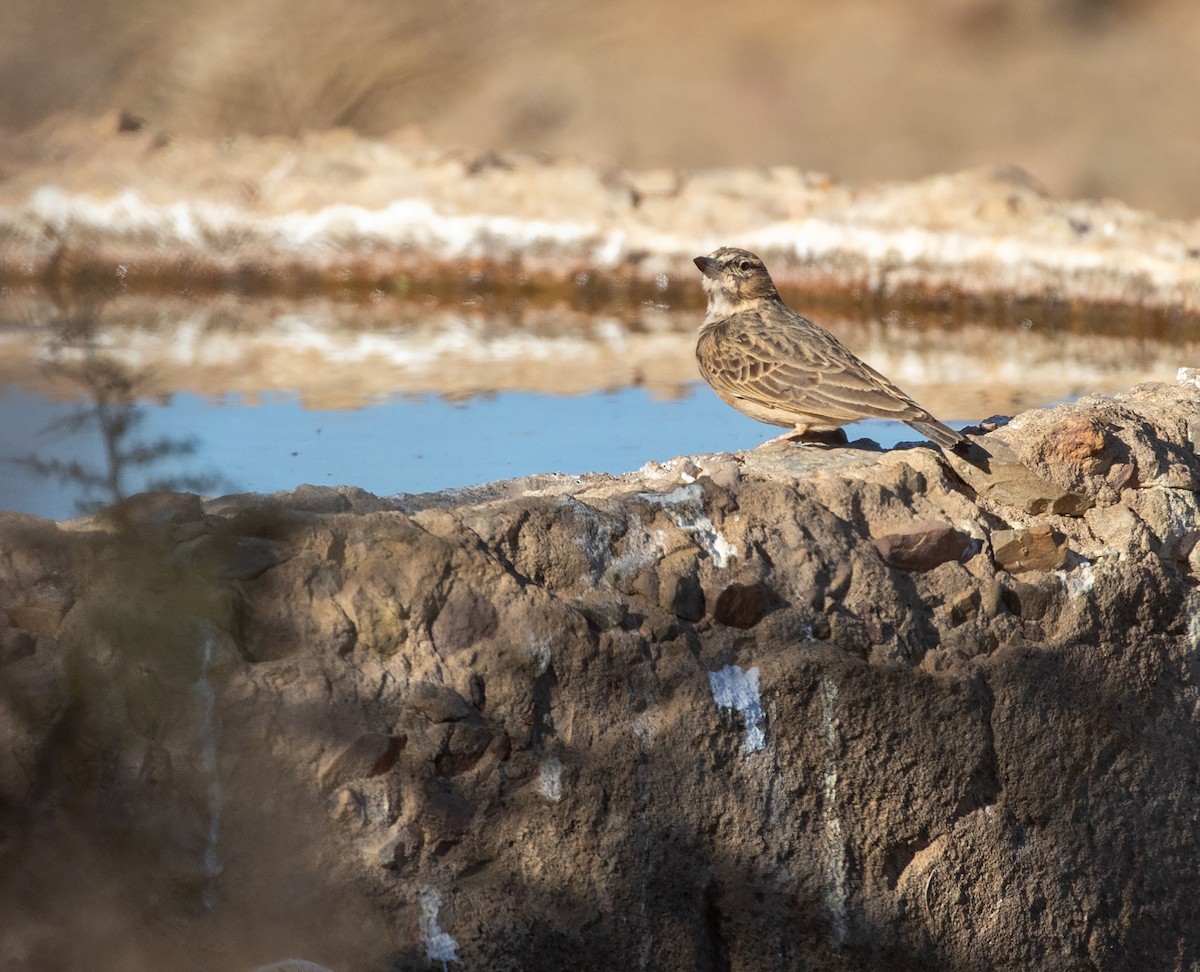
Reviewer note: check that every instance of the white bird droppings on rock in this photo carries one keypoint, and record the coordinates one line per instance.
(643, 548)
(539, 653)
(550, 779)
(1078, 581)
(685, 505)
(439, 945)
(837, 879)
(738, 691)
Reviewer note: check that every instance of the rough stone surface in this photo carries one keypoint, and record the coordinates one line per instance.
(922, 546)
(687, 718)
(1038, 548)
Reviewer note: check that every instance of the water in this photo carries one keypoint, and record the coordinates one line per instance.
(224, 394)
(408, 444)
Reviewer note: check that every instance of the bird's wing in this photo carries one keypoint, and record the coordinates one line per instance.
(792, 363)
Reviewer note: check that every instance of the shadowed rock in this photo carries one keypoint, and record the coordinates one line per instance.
(800, 707)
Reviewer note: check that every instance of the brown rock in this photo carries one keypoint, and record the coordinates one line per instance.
(1078, 439)
(1079, 445)
(1000, 476)
(371, 754)
(964, 606)
(40, 611)
(1035, 599)
(922, 546)
(464, 619)
(232, 557)
(1037, 548)
(439, 703)
(907, 734)
(404, 848)
(467, 742)
(477, 688)
(156, 509)
(346, 807)
(1120, 475)
(603, 614)
(445, 813)
(687, 598)
(742, 605)
(319, 499)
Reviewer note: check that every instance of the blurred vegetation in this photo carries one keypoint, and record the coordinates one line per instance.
(1095, 97)
(113, 411)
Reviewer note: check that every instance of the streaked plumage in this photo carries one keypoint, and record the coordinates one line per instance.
(779, 367)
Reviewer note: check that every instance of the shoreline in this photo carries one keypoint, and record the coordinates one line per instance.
(357, 216)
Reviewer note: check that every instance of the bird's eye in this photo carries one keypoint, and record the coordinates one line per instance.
(744, 266)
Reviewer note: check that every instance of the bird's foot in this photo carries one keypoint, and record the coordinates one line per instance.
(833, 437)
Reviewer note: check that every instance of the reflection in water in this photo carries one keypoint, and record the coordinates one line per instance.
(411, 395)
(343, 354)
(77, 355)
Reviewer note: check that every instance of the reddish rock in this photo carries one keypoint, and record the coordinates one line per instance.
(1081, 440)
(922, 546)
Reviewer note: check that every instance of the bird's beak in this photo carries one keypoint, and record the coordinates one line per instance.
(709, 267)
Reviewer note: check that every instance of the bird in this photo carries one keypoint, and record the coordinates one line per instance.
(778, 367)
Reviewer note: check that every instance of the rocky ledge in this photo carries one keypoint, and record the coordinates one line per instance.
(797, 708)
(103, 208)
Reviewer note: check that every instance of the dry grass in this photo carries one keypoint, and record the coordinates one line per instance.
(1095, 97)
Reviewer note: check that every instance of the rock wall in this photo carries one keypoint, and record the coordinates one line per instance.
(797, 708)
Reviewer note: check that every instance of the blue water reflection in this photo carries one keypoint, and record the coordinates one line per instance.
(408, 444)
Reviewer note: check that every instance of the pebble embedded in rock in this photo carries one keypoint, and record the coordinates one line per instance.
(439, 703)
(742, 605)
(964, 606)
(922, 547)
(371, 754)
(1037, 548)
(687, 601)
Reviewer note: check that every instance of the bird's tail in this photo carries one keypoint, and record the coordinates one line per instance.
(943, 435)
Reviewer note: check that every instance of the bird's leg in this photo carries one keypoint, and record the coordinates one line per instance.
(831, 437)
(792, 436)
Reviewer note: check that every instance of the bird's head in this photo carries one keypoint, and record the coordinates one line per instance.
(734, 281)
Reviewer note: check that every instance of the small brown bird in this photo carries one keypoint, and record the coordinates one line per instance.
(779, 367)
